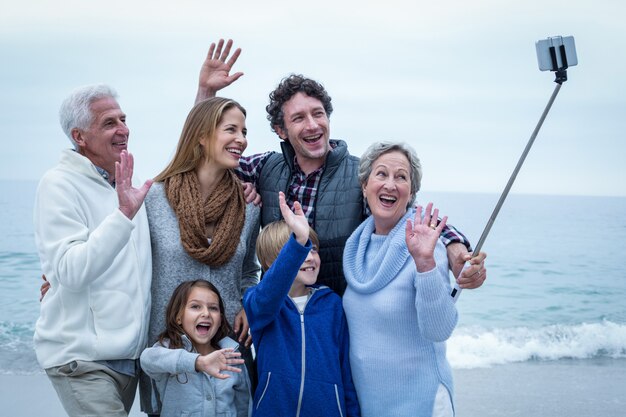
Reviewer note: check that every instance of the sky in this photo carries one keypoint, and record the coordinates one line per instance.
(458, 80)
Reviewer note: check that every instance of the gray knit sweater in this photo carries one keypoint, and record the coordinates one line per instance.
(171, 265)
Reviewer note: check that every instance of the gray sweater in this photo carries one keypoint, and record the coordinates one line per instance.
(171, 265)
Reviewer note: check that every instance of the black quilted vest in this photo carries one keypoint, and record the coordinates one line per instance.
(338, 205)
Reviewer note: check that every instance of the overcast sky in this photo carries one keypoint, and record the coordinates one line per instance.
(458, 80)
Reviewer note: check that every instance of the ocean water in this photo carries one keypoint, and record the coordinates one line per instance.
(555, 289)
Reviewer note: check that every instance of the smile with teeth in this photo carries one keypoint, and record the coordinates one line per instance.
(312, 139)
(387, 199)
(235, 151)
(203, 328)
(308, 268)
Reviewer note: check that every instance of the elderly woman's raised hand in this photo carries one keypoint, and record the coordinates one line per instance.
(421, 236)
(296, 220)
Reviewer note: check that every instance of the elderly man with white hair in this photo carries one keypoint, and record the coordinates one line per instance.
(92, 236)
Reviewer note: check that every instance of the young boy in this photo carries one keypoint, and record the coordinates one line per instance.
(299, 329)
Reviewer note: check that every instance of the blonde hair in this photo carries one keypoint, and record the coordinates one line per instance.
(272, 239)
(201, 122)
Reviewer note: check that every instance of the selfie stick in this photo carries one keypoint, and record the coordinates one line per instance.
(561, 76)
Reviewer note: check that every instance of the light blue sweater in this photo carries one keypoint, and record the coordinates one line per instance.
(185, 391)
(399, 320)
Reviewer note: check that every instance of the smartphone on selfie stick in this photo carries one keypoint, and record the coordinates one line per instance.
(554, 54)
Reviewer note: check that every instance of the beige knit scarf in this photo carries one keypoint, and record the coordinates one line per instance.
(225, 207)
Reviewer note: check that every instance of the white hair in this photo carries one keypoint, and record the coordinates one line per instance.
(75, 111)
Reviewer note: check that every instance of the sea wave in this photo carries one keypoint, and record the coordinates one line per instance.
(17, 355)
(478, 347)
(469, 347)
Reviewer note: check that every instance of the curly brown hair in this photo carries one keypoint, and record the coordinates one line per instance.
(174, 331)
(288, 87)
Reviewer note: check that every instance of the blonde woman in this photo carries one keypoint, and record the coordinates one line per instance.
(200, 224)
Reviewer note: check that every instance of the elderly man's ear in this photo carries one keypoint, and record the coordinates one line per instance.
(78, 137)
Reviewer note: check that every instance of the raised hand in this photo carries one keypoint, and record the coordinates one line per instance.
(215, 71)
(421, 237)
(220, 360)
(130, 198)
(296, 220)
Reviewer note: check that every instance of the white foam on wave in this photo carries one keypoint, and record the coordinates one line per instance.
(477, 347)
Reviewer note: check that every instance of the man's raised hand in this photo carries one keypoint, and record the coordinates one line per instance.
(215, 71)
(130, 198)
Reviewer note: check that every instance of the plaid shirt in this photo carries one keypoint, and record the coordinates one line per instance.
(303, 188)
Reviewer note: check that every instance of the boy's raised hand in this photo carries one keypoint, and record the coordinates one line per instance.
(295, 219)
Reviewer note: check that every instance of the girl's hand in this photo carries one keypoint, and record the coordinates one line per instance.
(421, 237)
(220, 360)
(296, 220)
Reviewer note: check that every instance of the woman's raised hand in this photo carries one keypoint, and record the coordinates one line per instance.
(296, 220)
(421, 236)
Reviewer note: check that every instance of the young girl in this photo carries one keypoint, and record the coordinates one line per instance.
(186, 361)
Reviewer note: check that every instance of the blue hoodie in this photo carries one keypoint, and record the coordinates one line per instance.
(302, 358)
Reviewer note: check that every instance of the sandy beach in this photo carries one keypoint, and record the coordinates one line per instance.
(33, 395)
(572, 388)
